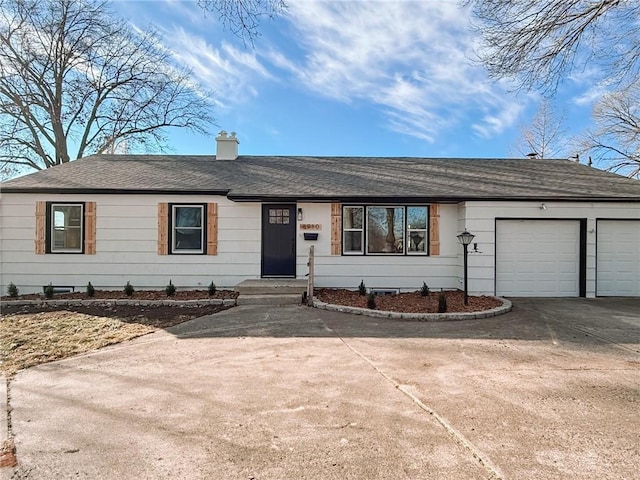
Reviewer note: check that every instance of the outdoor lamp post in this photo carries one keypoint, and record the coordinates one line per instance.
(465, 239)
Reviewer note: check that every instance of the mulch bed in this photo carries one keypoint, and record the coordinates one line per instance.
(137, 295)
(411, 302)
(159, 316)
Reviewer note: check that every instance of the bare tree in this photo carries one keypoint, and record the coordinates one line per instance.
(615, 142)
(537, 42)
(545, 135)
(243, 17)
(74, 80)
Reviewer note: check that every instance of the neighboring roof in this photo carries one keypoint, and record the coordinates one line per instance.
(332, 178)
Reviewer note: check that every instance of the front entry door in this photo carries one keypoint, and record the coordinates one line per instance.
(278, 240)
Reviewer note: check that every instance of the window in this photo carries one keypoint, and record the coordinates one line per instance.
(352, 229)
(416, 230)
(385, 230)
(279, 216)
(66, 228)
(187, 232)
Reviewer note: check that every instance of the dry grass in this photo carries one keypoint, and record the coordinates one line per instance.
(32, 339)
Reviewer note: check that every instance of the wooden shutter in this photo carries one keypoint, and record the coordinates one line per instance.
(212, 229)
(434, 229)
(163, 228)
(90, 228)
(336, 229)
(41, 228)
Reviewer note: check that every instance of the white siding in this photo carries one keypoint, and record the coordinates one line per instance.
(406, 272)
(479, 218)
(126, 245)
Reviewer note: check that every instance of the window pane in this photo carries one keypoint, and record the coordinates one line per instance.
(188, 216)
(417, 217)
(67, 227)
(72, 238)
(352, 217)
(188, 239)
(385, 229)
(353, 241)
(187, 228)
(417, 241)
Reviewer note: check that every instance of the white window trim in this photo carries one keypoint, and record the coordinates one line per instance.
(182, 251)
(52, 226)
(361, 230)
(409, 230)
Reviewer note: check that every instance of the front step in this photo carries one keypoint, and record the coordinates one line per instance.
(287, 299)
(271, 286)
(271, 291)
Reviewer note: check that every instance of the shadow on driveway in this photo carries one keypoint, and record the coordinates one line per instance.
(615, 321)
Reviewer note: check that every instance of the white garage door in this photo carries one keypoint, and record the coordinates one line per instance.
(618, 258)
(537, 258)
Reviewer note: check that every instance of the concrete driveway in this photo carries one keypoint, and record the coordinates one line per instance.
(548, 391)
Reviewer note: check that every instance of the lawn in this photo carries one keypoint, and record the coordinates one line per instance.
(34, 335)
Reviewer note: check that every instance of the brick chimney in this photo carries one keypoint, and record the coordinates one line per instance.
(226, 146)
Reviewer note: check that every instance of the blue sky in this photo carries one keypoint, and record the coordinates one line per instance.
(353, 78)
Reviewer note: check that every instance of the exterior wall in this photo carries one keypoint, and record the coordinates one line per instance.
(126, 245)
(479, 219)
(406, 272)
(127, 234)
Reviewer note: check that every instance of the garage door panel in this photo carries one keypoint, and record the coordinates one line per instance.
(618, 258)
(537, 258)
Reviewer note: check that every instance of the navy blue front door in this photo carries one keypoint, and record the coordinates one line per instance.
(278, 240)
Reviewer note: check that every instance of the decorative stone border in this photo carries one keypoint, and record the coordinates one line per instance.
(101, 302)
(420, 317)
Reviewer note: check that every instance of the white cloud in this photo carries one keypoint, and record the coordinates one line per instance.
(226, 70)
(493, 124)
(410, 58)
(590, 95)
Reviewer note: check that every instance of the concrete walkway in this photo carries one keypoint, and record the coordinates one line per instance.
(550, 390)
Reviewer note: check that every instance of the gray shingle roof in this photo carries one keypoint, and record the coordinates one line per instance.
(326, 178)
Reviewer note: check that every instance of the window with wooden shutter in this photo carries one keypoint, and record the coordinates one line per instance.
(336, 229)
(163, 228)
(90, 228)
(41, 228)
(212, 229)
(434, 229)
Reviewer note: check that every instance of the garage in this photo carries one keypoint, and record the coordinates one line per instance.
(618, 258)
(540, 258)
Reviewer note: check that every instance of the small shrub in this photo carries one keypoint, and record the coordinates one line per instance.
(424, 290)
(90, 290)
(12, 290)
(128, 289)
(170, 289)
(212, 289)
(362, 289)
(371, 301)
(48, 291)
(442, 303)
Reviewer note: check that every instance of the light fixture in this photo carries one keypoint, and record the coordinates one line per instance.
(465, 239)
(543, 206)
(300, 214)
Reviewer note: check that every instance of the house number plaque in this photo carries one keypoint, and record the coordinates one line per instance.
(310, 226)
